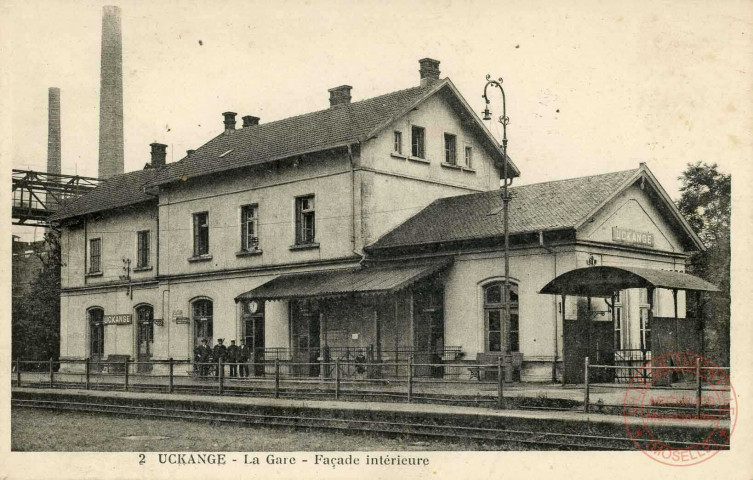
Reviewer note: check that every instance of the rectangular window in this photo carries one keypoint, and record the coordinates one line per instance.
(142, 249)
(398, 143)
(249, 228)
(469, 157)
(305, 217)
(617, 312)
(645, 330)
(95, 255)
(450, 149)
(417, 142)
(200, 233)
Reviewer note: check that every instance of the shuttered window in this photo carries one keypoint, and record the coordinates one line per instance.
(95, 255)
(142, 254)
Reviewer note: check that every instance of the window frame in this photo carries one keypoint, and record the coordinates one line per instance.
(468, 156)
(96, 326)
(397, 142)
(143, 248)
(253, 245)
(198, 241)
(644, 322)
(302, 217)
(509, 336)
(450, 149)
(619, 322)
(418, 149)
(95, 241)
(207, 327)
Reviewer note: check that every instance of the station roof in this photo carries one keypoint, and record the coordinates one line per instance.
(368, 280)
(603, 281)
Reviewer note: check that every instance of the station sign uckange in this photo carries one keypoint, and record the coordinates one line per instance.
(122, 319)
(632, 237)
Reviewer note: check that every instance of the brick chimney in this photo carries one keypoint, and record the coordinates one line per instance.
(429, 70)
(250, 121)
(229, 121)
(159, 153)
(339, 95)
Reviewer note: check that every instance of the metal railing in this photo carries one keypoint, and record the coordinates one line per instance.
(286, 379)
(694, 403)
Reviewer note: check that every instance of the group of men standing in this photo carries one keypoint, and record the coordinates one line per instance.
(233, 355)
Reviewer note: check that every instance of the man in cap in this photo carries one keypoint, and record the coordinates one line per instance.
(232, 358)
(244, 356)
(219, 354)
(202, 354)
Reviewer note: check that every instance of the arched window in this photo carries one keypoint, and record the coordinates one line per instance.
(145, 332)
(500, 332)
(96, 332)
(202, 320)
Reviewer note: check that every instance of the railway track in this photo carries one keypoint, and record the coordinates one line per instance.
(537, 440)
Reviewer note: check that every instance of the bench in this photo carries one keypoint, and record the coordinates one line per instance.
(510, 362)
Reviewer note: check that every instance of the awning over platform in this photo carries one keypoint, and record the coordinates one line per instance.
(604, 281)
(366, 280)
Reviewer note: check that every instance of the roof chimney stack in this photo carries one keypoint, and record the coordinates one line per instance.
(339, 95)
(429, 71)
(159, 153)
(229, 121)
(250, 121)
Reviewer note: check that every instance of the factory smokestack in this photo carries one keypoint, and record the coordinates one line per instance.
(53, 131)
(111, 96)
(53, 139)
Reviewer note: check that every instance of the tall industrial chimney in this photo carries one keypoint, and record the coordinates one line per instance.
(111, 96)
(53, 138)
(53, 131)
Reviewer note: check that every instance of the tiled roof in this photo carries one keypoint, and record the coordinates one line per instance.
(307, 133)
(118, 191)
(541, 206)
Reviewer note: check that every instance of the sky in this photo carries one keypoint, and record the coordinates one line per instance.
(591, 86)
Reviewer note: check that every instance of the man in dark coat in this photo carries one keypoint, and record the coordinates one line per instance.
(243, 357)
(202, 354)
(233, 354)
(219, 354)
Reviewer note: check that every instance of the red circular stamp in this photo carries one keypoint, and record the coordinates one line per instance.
(680, 409)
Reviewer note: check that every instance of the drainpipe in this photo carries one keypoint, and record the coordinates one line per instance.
(353, 203)
(554, 329)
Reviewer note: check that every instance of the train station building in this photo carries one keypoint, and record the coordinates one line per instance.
(370, 229)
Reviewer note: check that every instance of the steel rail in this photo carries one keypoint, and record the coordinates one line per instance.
(400, 428)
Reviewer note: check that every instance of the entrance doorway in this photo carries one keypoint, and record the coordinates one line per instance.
(253, 333)
(428, 331)
(144, 337)
(305, 337)
(96, 337)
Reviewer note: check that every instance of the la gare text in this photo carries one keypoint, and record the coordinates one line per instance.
(271, 459)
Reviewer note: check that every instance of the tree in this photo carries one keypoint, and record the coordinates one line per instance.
(36, 310)
(706, 202)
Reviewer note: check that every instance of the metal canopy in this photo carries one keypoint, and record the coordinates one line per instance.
(370, 280)
(604, 281)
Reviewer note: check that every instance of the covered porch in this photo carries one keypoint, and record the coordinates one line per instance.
(587, 337)
(374, 320)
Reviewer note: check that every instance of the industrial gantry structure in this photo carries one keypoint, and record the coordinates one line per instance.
(37, 195)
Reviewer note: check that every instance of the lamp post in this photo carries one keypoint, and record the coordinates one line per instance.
(506, 182)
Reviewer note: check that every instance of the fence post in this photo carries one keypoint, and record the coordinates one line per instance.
(18, 371)
(87, 372)
(277, 378)
(170, 373)
(586, 389)
(221, 375)
(125, 378)
(410, 378)
(337, 379)
(51, 374)
(699, 387)
(500, 382)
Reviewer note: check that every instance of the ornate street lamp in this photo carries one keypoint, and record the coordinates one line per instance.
(506, 182)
